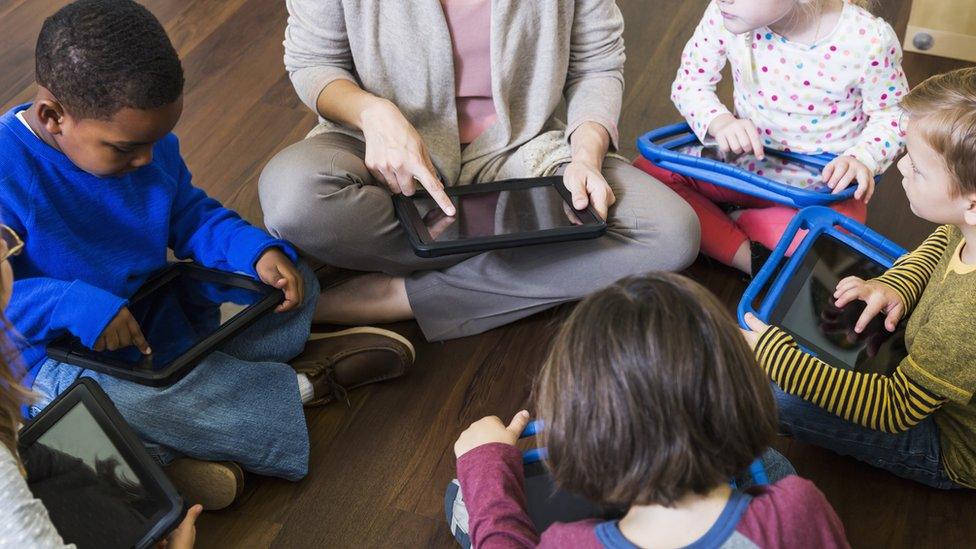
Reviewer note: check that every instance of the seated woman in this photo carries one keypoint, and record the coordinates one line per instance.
(451, 93)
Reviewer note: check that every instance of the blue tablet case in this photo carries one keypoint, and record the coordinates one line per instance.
(818, 221)
(661, 147)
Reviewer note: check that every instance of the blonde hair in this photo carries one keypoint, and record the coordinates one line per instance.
(947, 105)
(13, 395)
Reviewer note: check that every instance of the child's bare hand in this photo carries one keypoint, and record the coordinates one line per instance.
(756, 328)
(736, 135)
(186, 534)
(275, 269)
(491, 429)
(122, 332)
(843, 170)
(878, 298)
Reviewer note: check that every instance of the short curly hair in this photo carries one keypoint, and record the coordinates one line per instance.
(100, 56)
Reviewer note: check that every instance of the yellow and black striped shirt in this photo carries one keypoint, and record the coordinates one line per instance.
(939, 373)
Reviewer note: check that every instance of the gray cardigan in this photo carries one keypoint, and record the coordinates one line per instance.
(542, 51)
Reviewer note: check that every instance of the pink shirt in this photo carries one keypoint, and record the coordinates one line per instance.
(470, 24)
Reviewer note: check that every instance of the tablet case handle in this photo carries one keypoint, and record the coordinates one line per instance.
(679, 135)
(816, 220)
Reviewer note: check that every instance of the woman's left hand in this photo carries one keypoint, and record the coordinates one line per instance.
(588, 186)
(583, 176)
(756, 328)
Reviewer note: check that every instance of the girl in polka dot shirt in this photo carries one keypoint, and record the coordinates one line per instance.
(809, 76)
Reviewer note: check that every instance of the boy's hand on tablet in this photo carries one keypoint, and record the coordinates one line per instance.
(878, 298)
(122, 332)
(491, 429)
(736, 135)
(845, 169)
(275, 269)
(588, 186)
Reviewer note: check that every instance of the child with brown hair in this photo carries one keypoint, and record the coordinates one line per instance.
(920, 421)
(651, 402)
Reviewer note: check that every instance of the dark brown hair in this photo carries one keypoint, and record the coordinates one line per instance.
(649, 393)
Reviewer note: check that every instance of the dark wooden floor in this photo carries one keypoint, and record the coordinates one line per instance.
(379, 467)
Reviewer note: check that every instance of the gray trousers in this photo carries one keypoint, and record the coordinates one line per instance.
(319, 195)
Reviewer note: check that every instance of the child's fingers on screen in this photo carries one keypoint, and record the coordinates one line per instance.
(845, 181)
(871, 310)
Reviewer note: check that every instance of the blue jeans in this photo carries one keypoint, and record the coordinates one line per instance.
(241, 403)
(914, 454)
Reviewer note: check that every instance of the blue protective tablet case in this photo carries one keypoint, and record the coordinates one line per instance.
(661, 147)
(818, 221)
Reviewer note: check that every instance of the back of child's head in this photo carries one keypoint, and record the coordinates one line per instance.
(650, 393)
(943, 109)
(99, 56)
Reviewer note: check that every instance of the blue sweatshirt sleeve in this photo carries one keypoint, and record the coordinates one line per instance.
(43, 308)
(201, 228)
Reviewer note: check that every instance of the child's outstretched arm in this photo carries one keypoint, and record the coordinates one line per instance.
(203, 229)
(892, 404)
(702, 61)
(912, 271)
(492, 480)
(882, 87)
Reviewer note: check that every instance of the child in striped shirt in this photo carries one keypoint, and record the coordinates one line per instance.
(809, 76)
(920, 421)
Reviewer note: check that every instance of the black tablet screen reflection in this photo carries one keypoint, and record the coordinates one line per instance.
(806, 311)
(177, 316)
(498, 213)
(91, 492)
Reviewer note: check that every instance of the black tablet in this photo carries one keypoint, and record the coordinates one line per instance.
(503, 214)
(547, 505)
(805, 310)
(186, 311)
(98, 484)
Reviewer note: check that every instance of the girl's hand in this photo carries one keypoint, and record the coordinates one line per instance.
(397, 156)
(843, 170)
(491, 429)
(756, 329)
(878, 298)
(275, 269)
(736, 135)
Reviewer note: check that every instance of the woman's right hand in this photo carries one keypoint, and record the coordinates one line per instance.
(396, 154)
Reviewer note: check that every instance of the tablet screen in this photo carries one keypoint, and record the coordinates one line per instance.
(481, 215)
(92, 493)
(806, 311)
(175, 317)
(788, 172)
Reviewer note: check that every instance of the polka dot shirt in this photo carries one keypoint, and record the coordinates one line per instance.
(839, 95)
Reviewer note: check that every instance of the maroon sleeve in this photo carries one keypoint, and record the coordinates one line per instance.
(493, 487)
(792, 513)
(492, 483)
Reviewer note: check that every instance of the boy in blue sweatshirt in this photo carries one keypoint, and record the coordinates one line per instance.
(92, 180)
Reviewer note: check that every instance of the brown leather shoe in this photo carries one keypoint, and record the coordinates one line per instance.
(213, 484)
(338, 362)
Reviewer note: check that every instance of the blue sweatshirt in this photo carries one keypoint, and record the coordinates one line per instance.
(90, 242)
